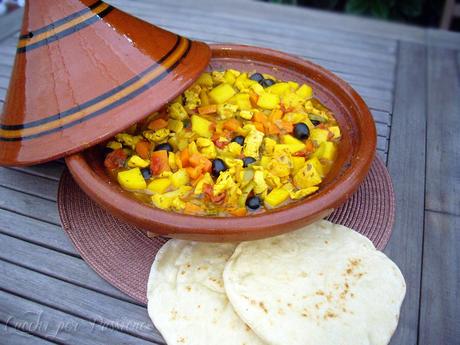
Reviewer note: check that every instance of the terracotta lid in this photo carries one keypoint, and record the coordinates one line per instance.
(83, 72)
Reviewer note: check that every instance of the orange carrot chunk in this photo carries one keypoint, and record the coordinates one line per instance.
(143, 149)
(158, 124)
(207, 109)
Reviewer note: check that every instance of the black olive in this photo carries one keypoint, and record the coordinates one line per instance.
(106, 150)
(301, 131)
(218, 166)
(146, 173)
(253, 202)
(239, 140)
(247, 161)
(257, 77)
(315, 122)
(165, 147)
(267, 82)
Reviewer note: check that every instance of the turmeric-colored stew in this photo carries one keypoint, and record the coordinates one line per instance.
(234, 143)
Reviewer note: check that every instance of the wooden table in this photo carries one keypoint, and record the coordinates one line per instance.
(409, 77)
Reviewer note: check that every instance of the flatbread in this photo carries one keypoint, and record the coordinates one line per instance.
(186, 296)
(323, 284)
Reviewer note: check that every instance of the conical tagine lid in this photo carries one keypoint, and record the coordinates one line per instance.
(85, 71)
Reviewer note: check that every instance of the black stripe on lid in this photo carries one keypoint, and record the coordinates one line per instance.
(59, 22)
(66, 32)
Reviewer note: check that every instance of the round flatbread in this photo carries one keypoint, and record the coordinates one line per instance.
(186, 296)
(323, 284)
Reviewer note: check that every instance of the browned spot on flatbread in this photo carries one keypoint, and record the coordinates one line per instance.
(329, 315)
(263, 307)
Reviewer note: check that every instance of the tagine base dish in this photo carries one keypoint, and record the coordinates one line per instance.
(123, 254)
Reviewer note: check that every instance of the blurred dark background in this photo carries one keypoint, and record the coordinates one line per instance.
(426, 13)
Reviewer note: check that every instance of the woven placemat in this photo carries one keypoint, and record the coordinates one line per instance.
(123, 255)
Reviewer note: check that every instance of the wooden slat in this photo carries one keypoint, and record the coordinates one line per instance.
(10, 24)
(382, 144)
(29, 205)
(77, 301)
(406, 163)
(34, 185)
(59, 326)
(383, 130)
(5, 71)
(443, 143)
(443, 39)
(2, 93)
(369, 82)
(4, 81)
(50, 170)
(34, 231)
(440, 307)
(58, 265)
(383, 155)
(10, 335)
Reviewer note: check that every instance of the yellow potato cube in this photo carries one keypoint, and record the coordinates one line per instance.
(293, 85)
(305, 91)
(229, 77)
(175, 125)
(179, 178)
(319, 135)
(201, 126)
(317, 165)
(205, 79)
(297, 162)
(269, 146)
(242, 101)
(131, 179)
(172, 161)
(335, 130)
(276, 197)
(137, 162)
(278, 88)
(264, 161)
(293, 144)
(234, 148)
(307, 176)
(159, 185)
(114, 145)
(257, 88)
(221, 93)
(302, 192)
(268, 101)
(161, 201)
(327, 150)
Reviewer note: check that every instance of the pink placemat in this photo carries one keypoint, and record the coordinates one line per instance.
(123, 255)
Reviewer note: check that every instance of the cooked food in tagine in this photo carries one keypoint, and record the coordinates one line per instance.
(234, 143)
